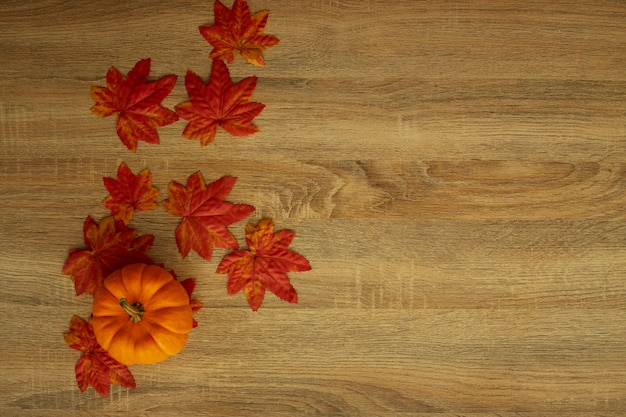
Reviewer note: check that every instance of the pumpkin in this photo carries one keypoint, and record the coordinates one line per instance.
(141, 314)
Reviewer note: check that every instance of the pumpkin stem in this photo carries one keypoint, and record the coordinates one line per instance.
(135, 311)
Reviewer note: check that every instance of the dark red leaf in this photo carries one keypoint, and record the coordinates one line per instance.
(218, 103)
(129, 192)
(137, 103)
(108, 248)
(95, 366)
(206, 216)
(236, 30)
(264, 265)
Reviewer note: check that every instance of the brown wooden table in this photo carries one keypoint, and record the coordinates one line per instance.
(454, 172)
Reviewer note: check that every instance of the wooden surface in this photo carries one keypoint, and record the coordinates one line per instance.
(455, 171)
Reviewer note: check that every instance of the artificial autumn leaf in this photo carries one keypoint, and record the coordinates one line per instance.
(236, 30)
(205, 214)
(129, 192)
(264, 265)
(189, 285)
(95, 366)
(218, 103)
(136, 102)
(109, 247)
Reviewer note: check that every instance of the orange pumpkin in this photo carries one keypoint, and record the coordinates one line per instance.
(141, 314)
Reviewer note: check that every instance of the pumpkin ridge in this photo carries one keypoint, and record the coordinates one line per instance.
(150, 287)
(170, 342)
(114, 284)
(176, 296)
(114, 345)
(106, 329)
(106, 308)
(170, 323)
(154, 325)
(140, 356)
(133, 282)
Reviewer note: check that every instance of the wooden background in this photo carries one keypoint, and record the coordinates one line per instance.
(453, 170)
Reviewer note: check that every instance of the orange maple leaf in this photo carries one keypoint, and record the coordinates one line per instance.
(95, 366)
(236, 30)
(136, 102)
(218, 103)
(264, 265)
(129, 192)
(205, 214)
(109, 246)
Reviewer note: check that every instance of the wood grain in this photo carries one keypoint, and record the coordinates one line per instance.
(455, 172)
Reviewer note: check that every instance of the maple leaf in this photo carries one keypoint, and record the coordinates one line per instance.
(205, 214)
(218, 103)
(108, 248)
(264, 265)
(136, 102)
(95, 366)
(129, 192)
(236, 30)
(189, 285)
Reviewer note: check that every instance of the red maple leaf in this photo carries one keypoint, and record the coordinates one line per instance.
(205, 214)
(110, 246)
(218, 103)
(129, 192)
(136, 102)
(264, 265)
(237, 30)
(95, 366)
